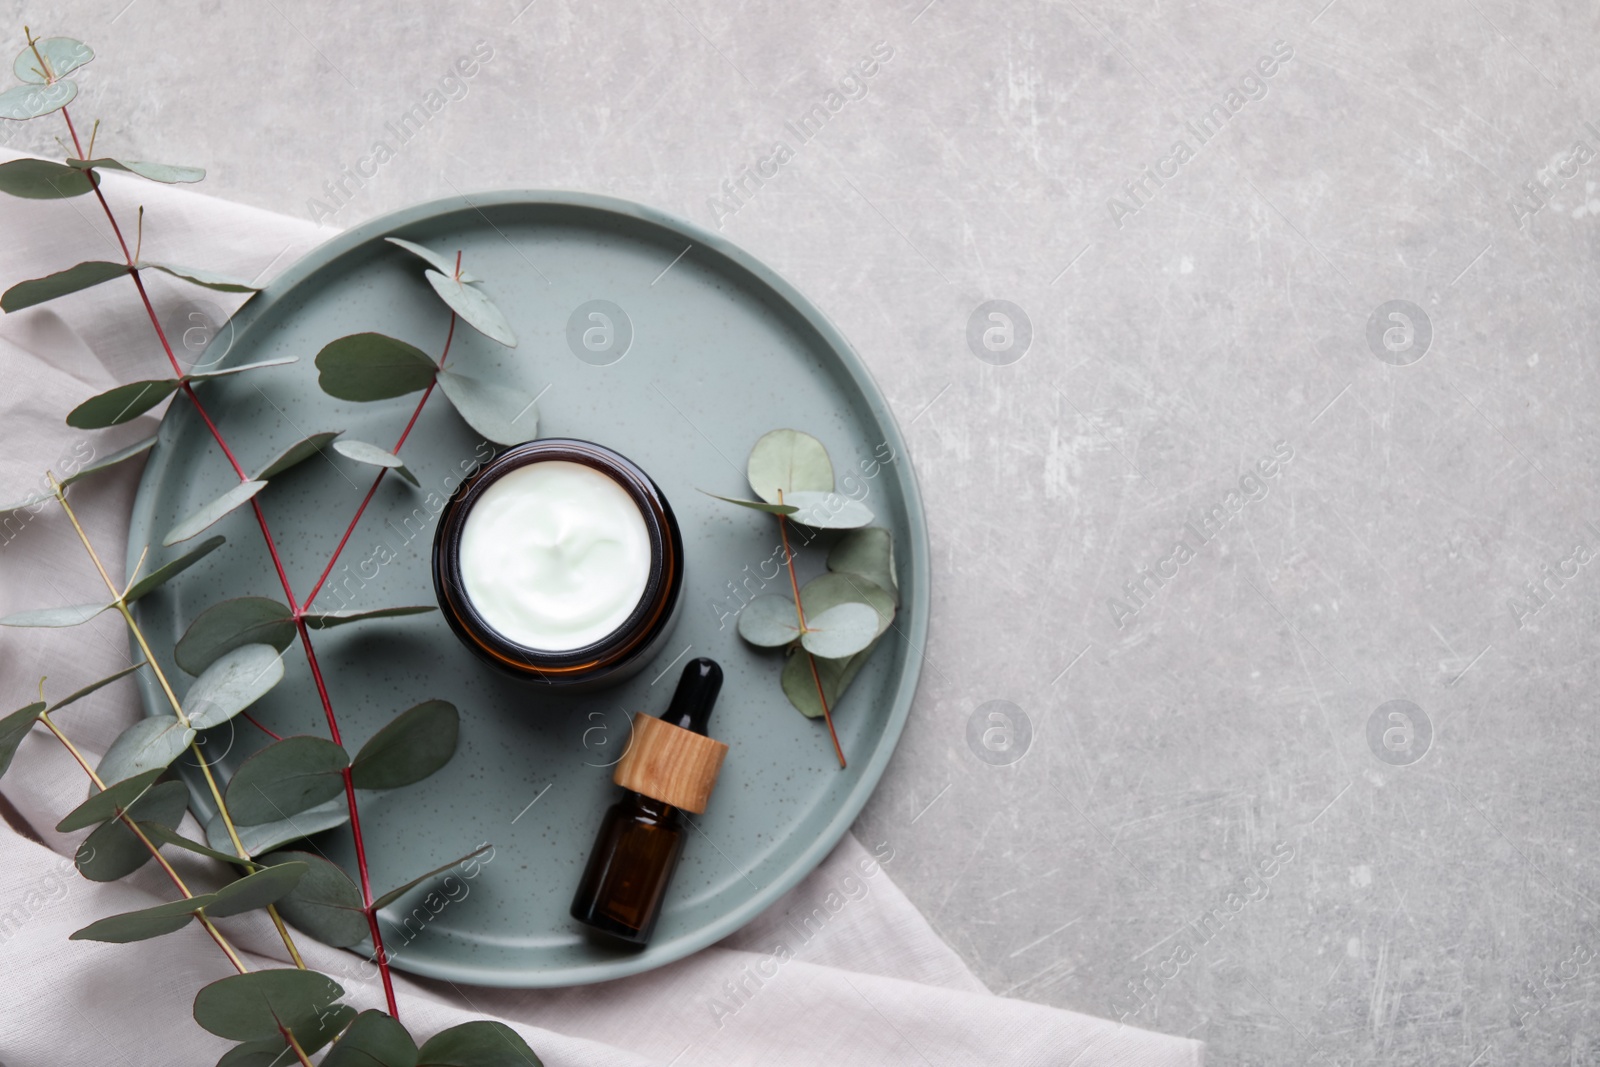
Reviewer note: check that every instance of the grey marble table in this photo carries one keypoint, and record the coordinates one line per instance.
(1246, 356)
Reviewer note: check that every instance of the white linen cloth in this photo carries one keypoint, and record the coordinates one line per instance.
(869, 982)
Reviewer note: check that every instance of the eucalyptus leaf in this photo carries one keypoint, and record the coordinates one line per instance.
(504, 415)
(842, 630)
(29, 101)
(757, 505)
(473, 305)
(286, 778)
(144, 746)
(170, 570)
(41, 179)
(143, 924)
(253, 1006)
(325, 903)
(362, 452)
(233, 682)
(38, 290)
(256, 890)
(801, 688)
(63, 55)
(113, 851)
(213, 512)
(121, 403)
(439, 263)
(170, 836)
(399, 891)
(166, 173)
(867, 553)
(375, 1039)
(112, 460)
(826, 590)
(13, 728)
(372, 366)
(93, 686)
(221, 283)
(240, 368)
(828, 511)
(769, 621)
(275, 1051)
(298, 453)
(29, 501)
(480, 1043)
(71, 615)
(263, 837)
(324, 620)
(413, 745)
(105, 803)
(223, 627)
(791, 461)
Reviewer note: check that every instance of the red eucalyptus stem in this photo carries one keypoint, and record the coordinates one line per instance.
(381, 955)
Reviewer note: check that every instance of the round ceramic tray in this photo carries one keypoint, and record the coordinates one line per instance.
(719, 349)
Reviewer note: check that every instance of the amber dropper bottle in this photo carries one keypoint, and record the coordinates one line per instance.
(670, 765)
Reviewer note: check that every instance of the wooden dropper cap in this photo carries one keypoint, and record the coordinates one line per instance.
(671, 759)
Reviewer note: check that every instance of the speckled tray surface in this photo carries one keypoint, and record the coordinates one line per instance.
(721, 351)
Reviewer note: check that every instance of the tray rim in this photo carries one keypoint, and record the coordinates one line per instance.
(916, 558)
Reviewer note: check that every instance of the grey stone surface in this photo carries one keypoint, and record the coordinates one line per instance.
(1431, 892)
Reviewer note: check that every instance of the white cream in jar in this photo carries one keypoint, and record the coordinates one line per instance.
(555, 555)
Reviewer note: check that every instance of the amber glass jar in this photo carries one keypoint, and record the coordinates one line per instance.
(611, 658)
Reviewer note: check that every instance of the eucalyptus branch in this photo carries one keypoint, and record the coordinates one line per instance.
(121, 604)
(800, 614)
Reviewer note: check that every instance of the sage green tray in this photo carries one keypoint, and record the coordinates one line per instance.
(722, 350)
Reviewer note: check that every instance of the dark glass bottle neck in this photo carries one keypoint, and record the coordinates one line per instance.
(649, 809)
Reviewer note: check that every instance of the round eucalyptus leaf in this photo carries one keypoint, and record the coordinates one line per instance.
(372, 366)
(120, 404)
(362, 452)
(94, 686)
(375, 1039)
(224, 627)
(842, 630)
(62, 55)
(165, 173)
(13, 728)
(828, 511)
(325, 620)
(826, 590)
(275, 1051)
(252, 1007)
(325, 903)
(113, 851)
(41, 179)
(143, 924)
(29, 101)
(801, 688)
(166, 836)
(221, 283)
(144, 746)
(473, 305)
(757, 505)
(71, 615)
(401, 890)
(168, 571)
(480, 1043)
(791, 461)
(867, 553)
(263, 837)
(38, 290)
(213, 512)
(236, 680)
(119, 456)
(504, 415)
(298, 453)
(410, 747)
(240, 368)
(439, 263)
(105, 803)
(769, 621)
(286, 778)
(256, 890)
